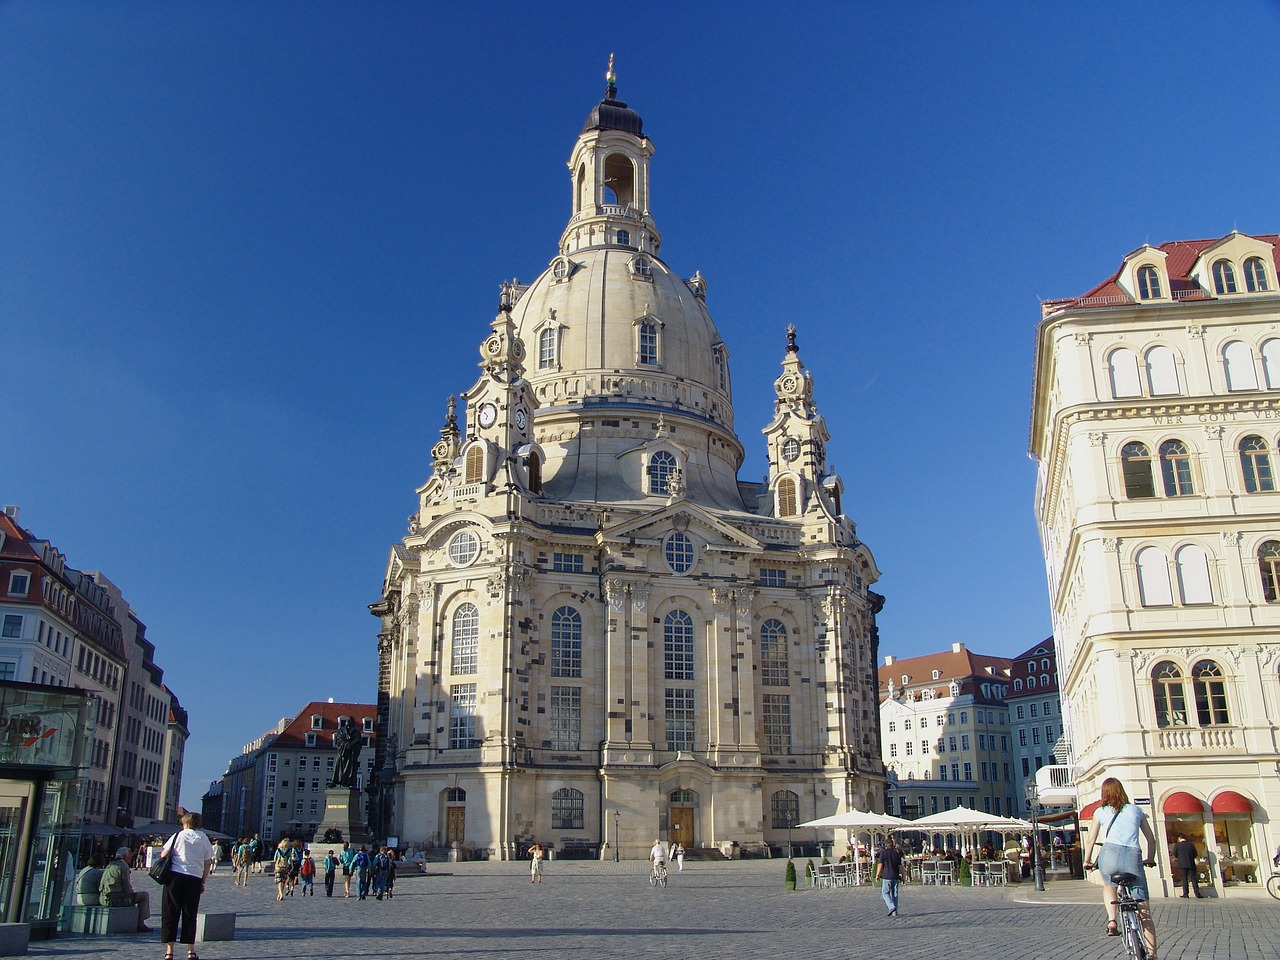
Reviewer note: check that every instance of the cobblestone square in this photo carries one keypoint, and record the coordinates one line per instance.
(714, 910)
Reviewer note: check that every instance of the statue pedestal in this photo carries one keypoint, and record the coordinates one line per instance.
(343, 812)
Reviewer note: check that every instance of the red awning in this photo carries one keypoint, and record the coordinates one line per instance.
(1087, 812)
(1182, 803)
(1231, 802)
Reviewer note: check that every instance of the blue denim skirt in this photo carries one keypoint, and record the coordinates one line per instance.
(1117, 859)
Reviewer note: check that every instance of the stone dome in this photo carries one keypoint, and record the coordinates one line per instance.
(610, 114)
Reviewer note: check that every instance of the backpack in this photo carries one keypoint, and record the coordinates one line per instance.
(308, 867)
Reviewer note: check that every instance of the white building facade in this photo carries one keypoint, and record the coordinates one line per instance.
(594, 634)
(1156, 416)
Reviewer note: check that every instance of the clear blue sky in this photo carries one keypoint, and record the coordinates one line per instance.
(248, 249)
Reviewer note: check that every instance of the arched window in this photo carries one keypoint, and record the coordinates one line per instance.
(1149, 283)
(1153, 578)
(566, 809)
(1193, 574)
(1255, 275)
(1017, 683)
(647, 343)
(1031, 683)
(1123, 365)
(547, 349)
(774, 665)
(1269, 567)
(677, 646)
(1162, 372)
(1175, 469)
(785, 809)
(1271, 363)
(566, 643)
(455, 795)
(1255, 463)
(1210, 690)
(535, 473)
(787, 506)
(1237, 359)
(1044, 682)
(662, 466)
(1170, 695)
(1135, 466)
(1224, 277)
(465, 640)
(474, 471)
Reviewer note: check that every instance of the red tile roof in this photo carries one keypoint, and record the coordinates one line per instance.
(1181, 256)
(295, 732)
(960, 665)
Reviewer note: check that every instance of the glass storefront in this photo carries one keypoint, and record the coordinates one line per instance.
(45, 738)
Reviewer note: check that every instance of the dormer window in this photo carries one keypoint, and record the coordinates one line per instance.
(641, 269)
(367, 725)
(317, 721)
(1224, 277)
(311, 739)
(647, 343)
(1149, 283)
(547, 349)
(662, 467)
(1255, 275)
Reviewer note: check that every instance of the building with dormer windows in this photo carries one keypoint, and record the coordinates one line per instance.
(594, 633)
(1155, 421)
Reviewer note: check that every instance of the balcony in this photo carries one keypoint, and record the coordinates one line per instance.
(1198, 740)
(1055, 785)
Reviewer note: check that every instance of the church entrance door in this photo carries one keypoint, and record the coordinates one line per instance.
(455, 830)
(681, 820)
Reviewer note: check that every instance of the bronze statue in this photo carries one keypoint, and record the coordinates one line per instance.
(348, 742)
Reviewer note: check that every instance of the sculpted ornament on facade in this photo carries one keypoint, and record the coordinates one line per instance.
(744, 596)
(1231, 538)
(639, 596)
(615, 591)
(1111, 544)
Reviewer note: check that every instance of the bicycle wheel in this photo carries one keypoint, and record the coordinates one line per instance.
(663, 879)
(1273, 886)
(653, 880)
(1134, 944)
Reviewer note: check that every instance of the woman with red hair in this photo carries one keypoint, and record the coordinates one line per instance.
(1122, 822)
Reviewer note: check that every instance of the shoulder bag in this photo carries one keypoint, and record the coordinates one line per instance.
(162, 869)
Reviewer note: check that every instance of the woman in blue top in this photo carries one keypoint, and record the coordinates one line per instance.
(1122, 822)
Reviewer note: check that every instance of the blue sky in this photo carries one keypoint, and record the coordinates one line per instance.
(247, 250)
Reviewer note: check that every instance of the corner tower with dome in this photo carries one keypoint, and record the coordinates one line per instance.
(594, 633)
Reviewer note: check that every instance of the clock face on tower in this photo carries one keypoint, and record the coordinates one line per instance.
(522, 419)
(488, 414)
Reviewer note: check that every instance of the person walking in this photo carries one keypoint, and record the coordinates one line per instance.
(391, 872)
(889, 873)
(307, 873)
(242, 863)
(536, 853)
(255, 853)
(364, 872)
(330, 872)
(679, 852)
(180, 902)
(1184, 854)
(381, 868)
(280, 868)
(348, 860)
(1122, 823)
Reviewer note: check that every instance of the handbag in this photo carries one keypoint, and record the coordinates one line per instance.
(162, 869)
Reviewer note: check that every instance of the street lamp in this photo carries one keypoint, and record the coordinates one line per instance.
(788, 836)
(1033, 797)
(617, 815)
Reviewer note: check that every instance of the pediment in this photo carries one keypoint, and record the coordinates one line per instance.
(681, 515)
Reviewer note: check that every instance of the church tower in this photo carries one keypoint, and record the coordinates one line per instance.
(594, 633)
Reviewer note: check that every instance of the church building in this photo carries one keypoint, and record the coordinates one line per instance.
(594, 633)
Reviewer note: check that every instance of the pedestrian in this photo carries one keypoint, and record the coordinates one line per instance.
(280, 868)
(1123, 823)
(536, 854)
(242, 863)
(255, 853)
(889, 873)
(192, 860)
(381, 869)
(679, 851)
(217, 857)
(1185, 855)
(364, 872)
(330, 872)
(115, 888)
(307, 873)
(391, 872)
(348, 860)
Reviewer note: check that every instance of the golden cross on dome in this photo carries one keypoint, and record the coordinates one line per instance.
(609, 74)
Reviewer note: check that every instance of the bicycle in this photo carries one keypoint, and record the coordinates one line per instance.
(658, 875)
(1273, 884)
(1127, 907)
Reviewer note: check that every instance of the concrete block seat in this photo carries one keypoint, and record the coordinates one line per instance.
(14, 938)
(88, 921)
(215, 926)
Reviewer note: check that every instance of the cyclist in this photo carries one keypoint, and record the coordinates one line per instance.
(657, 859)
(1121, 853)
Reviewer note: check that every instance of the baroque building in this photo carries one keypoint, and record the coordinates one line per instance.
(1155, 420)
(946, 733)
(594, 633)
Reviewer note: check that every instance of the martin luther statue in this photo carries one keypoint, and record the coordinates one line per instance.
(348, 742)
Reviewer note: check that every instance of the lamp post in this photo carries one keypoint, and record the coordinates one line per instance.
(788, 836)
(617, 815)
(1037, 868)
